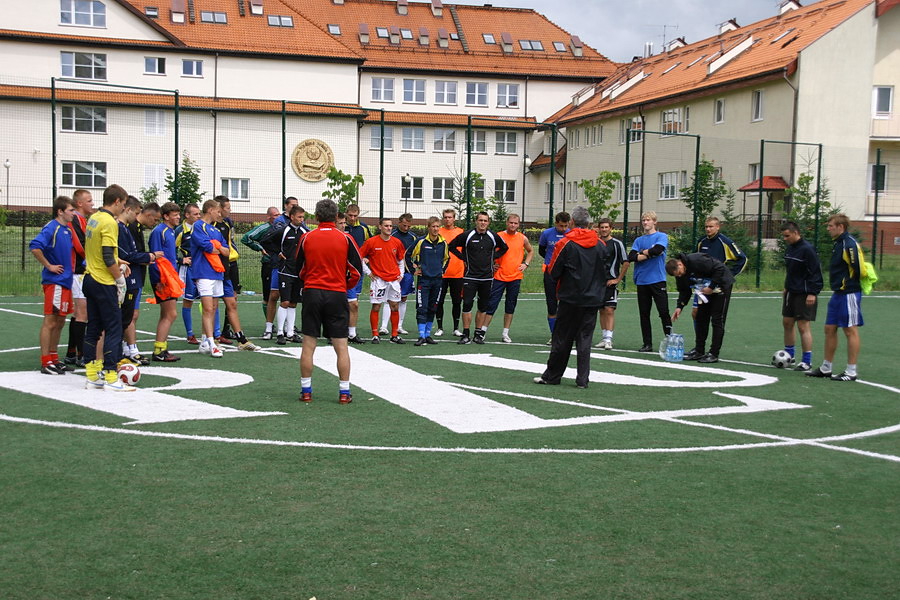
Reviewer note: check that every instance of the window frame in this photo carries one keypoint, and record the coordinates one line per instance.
(413, 139)
(160, 65)
(884, 184)
(505, 92)
(671, 190)
(477, 91)
(70, 174)
(441, 87)
(442, 188)
(281, 21)
(375, 138)
(506, 143)
(93, 15)
(93, 118)
(214, 17)
(197, 70)
(505, 188)
(880, 114)
(383, 89)
(634, 188)
(444, 140)
(412, 191)
(413, 91)
(75, 66)
(154, 122)
(637, 134)
(479, 139)
(718, 111)
(239, 194)
(334, 28)
(757, 106)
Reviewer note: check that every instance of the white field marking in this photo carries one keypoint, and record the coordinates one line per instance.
(748, 405)
(146, 405)
(743, 379)
(19, 312)
(439, 450)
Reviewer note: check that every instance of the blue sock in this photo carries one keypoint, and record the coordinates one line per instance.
(218, 329)
(789, 350)
(807, 357)
(188, 318)
(422, 330)
(551, 321)
(427, 329)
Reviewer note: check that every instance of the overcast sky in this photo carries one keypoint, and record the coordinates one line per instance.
(619, 28)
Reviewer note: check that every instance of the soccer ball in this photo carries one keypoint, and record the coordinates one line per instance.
(129, 374)
(782, 359)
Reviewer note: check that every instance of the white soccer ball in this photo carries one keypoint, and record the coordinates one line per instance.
(782, 359)
(129, 374)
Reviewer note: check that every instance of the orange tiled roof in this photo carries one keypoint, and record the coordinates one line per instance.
(248, 33)
(107, 97)
(543, 160)
(770, 184)
(34, 35)
(777, 43)
(469, 53)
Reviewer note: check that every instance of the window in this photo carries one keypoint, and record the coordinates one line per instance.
(236, 189)
(154, 174)
(413, 139)
(154, 65)
(256, 7)
(719, 111)
(478, 142)
(505, 190)
(753, 172)
(559, 46)
(442, 188)
(636, 125)
(506, 142)
(576, 138)
(476, 94)
(154, 122)
(882, 100)
(756, 106)
(84, 119)
(477, 189)
(215, 17)
(414, 91)
(531, 45)
(488, 38)
(406, 34)
(192, 68)
(444, 140)
(382, 89)
(634, 188)
(878, 178)
(375, 143)
(82, 12)
(445, 92)
(674, 120)
(670, 184)
(152, 12)
(334, 29)
(411, 190)
(286, 21)
(83, 65)
(84, 174)
(382, 32)
(507, 95)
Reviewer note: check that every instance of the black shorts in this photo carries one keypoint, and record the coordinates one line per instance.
(611, 299)
(289, 289)
(473, 287)
(325, 314)
(794, 306)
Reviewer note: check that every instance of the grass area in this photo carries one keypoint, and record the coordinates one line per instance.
(752, 505)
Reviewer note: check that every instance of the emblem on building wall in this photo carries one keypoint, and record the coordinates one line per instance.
(311, 160)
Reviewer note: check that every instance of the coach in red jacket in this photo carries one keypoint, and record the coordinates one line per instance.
(328, 264)
(579, 268)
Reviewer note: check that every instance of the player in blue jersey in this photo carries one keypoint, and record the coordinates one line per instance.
(429, 258)
(648, 255)
(54, 250)
(164, 239)
(846, 269)
(546, 243)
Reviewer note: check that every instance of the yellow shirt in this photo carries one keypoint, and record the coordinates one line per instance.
(102, 230)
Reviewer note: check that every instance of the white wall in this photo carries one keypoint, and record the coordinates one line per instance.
(44, 16)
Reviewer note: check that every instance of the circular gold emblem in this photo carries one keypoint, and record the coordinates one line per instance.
(311, 160)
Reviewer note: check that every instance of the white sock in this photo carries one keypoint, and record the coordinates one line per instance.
(344, 386)
(385, 319)
(291, 319)
(402, 312)
(132, 350)
(268, 327)
(826, 366)
(306, 382)
(352, 331)
(280, 318)
(850, 370)
(506, 331)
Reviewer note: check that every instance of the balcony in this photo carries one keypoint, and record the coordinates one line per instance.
(887, 126)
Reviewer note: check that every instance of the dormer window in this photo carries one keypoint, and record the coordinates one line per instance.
(488, 38)
(84, 13)
(334, 29)
(406, 34)
(281, 21)
(256, 7)
(382, 32)
(178, 7)
(531, 45)
(208, 16)
(559, 46)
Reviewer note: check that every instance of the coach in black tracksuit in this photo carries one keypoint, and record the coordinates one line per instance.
(580, 268)
(714, 299)
(478, 248)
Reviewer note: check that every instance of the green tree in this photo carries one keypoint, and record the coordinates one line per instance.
(342, 188)
(150, 194)
(188, 183)
(478, 204)
(599, 193)
(498, 212)
(711, 190)
(733, 227)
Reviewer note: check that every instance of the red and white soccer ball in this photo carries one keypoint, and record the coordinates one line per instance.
(129, 374)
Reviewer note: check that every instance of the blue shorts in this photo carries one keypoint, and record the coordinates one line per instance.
(227, 288)
(353, 294)
(844, 310)
(512, 295)
(190, 288)
(137, 299)
(407, 286)
(275, 281)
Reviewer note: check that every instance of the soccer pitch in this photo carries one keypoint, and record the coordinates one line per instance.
(451, 475)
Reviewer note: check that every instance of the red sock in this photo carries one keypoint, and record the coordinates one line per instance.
(54, 356)
(373, 321)
(395, 322)
(46, 360)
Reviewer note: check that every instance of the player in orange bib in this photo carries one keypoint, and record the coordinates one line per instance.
(508, 275)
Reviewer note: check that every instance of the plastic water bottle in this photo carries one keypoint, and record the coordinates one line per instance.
(679, 347)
